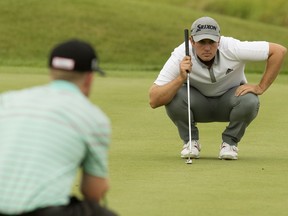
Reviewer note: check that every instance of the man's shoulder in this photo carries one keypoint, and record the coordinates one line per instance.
(180, 50)
(21, 93)
(228, 46)
(225, 41)
(97, 111)
(93, 113)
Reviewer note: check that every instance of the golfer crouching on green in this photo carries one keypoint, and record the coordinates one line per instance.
(219, 91)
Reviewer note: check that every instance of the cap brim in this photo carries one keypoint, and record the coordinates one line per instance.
(100, 71)
(197, 38)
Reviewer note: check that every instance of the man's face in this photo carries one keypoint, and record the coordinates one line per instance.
(205, 49)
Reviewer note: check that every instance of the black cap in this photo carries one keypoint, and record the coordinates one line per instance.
(74, 55)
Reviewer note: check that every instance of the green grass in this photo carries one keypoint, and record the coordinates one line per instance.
(266, 11)
(128, 34)
(257, 10)
(147, 175)
(150, 179)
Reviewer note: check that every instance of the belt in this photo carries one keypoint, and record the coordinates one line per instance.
(49, 211)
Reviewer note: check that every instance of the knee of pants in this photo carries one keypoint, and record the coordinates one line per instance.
(177, 108)
(249, 105)
(250, 101)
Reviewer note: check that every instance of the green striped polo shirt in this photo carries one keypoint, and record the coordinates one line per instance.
(46, 133)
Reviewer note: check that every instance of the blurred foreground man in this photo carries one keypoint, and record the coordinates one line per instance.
(219, 91)
(47, 132)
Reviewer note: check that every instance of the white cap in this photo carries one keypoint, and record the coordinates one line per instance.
(205, 28)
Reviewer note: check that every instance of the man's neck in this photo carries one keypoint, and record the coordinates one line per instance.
(207, 63)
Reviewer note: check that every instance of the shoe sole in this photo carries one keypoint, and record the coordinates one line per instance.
(228, 157)
(191, 156)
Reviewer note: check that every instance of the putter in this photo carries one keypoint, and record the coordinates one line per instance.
(186, 37)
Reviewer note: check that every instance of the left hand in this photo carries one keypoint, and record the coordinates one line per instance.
(248, 88)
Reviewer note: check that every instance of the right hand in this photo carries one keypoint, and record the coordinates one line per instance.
(185, 66)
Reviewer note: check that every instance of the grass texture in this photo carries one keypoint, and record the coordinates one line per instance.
(147, 175)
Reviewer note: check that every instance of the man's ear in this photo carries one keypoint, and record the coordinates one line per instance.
(191, 40)
(89, 78)
(87, 83)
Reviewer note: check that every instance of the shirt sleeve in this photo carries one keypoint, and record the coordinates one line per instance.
(97, 142)
(244, 50)
(171, 68)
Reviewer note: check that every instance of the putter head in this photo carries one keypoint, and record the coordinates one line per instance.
(188, 161)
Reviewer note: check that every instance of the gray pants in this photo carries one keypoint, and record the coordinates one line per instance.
(238, 111)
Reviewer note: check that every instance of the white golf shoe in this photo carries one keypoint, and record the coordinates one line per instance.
(194, 152)
(228, 152)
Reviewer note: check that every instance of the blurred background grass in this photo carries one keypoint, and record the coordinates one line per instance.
(130, 34)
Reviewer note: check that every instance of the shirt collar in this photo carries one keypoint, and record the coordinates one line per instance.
(216, 59)
(63, 84)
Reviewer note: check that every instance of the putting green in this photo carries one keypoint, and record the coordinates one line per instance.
(149, 178)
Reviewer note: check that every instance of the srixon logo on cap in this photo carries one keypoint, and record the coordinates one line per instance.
(209, 27)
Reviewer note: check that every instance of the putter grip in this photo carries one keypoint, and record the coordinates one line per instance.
(186, 37)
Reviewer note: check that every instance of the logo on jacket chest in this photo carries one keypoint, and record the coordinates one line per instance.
(229, 70)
